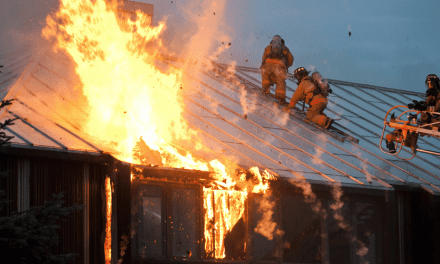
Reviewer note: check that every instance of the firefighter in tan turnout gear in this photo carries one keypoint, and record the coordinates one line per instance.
(275, 62)
(431, 104)
(313, 91)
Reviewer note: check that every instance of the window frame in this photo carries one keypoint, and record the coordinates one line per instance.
(167, 220)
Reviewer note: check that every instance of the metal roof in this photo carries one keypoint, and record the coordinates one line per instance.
(236, 122)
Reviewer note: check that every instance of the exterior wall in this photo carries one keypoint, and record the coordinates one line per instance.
(33, 180)
(419, 233)
(356, 229)
(395, 226)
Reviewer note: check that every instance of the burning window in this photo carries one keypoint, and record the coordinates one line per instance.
(225, 229)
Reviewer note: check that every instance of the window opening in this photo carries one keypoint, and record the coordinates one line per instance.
(151, 234)
(302, 227)
(184, 223)
(225, 231)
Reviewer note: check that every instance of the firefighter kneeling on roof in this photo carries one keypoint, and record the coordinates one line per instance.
(431, 104)
(314, 91)
(275, 62)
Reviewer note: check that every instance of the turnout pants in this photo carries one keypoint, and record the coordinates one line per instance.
(316, 112)
(274, 73)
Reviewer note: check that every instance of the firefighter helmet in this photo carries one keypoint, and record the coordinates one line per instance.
(300, 73)
(432, 78)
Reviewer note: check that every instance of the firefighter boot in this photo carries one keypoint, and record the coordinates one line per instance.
(391, 146)
(265, 87)
(328, 123)
(281, 99)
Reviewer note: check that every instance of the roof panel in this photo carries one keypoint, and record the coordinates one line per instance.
(236, 123)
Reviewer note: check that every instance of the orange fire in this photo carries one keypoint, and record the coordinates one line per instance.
(129, 99)
(108, 224)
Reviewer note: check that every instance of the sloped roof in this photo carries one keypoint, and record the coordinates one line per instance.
(235, 121)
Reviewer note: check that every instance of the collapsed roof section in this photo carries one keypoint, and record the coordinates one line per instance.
(235, 122)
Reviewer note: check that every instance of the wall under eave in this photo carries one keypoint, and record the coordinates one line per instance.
(33, 180)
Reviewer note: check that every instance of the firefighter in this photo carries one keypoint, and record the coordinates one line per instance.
(319, 102)
(275, 62)
(431, 104)
(305, 89)
(314, 91)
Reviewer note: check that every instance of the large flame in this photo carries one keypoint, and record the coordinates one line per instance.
(131, 100)
(128, 96)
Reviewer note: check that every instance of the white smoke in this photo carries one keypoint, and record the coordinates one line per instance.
(267, 227)
(363, 161)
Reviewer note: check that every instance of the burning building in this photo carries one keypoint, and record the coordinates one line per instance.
(248, 183)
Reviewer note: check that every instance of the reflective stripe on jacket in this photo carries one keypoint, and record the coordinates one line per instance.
(319, 100)
(279, 61)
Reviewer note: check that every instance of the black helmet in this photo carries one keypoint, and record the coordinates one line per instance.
(433, 79)
(300, 73)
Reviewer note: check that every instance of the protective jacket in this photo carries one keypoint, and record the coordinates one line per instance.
(304, 92)
(433, 101)
(433, 105)
(286, 61)
(274, 71)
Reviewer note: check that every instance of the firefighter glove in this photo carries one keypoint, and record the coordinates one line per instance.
(411, 105)
(421, 106)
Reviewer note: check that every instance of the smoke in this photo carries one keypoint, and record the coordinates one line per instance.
(211, 38)
(317, 157)
(337, 205)
(363, 161)
(343, 223)
(309, 195)
(266, 226)
(123, 247)
(246, 107)
(22, 22)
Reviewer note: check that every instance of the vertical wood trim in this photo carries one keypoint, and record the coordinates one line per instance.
(23, 184)
(86, 214)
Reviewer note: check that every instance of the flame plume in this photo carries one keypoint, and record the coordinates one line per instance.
(132, 105)
(128, 96)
